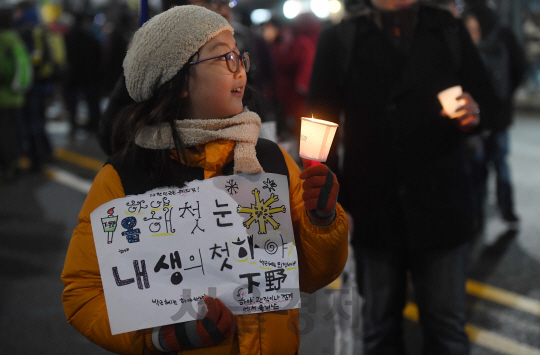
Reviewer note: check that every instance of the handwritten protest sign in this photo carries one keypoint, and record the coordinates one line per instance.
(229, 237)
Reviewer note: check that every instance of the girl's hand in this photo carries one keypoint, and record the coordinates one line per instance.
(320, 194)
(470, 117)
(217, 325)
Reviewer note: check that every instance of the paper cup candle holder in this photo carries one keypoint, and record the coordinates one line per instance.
(449, 102)
(316, 137)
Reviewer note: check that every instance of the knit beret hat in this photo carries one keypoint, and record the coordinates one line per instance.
(163, 45)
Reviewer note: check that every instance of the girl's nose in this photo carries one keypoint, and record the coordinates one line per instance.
(241, 70)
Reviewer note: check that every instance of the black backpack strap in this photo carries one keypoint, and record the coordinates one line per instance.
(271, 158)
(139, 175)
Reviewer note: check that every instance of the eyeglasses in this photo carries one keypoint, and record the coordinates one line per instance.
(233, 61)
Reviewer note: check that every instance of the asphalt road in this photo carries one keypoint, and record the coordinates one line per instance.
(39, 212)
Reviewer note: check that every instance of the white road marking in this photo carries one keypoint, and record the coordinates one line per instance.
(68, 179)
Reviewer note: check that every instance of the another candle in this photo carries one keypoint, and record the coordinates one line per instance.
(449, 102)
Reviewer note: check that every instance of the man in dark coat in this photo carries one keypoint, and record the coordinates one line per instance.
(404, 173)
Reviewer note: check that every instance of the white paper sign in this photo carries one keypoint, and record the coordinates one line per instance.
(229, 237)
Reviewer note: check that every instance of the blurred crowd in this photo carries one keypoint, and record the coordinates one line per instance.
(71, 58)
(48, 55)
(50, 58)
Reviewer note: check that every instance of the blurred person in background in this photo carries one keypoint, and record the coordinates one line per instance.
(271, 31)
(531, 34)
(55, 18)
(47, 67)
(404, 173)
(260, 80)
(275, 33)
(294, 53)
(15, 80)
(505, 60)
(115, 48)
(83, 77)
(58, 23)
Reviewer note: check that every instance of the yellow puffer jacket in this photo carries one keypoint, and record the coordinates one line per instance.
(322, 253)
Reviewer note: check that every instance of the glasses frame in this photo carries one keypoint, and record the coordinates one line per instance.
(240, 56)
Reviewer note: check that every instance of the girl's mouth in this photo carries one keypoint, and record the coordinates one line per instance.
(237, 92)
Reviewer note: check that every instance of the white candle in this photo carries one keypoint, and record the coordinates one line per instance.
(449, 102)
(316, 137)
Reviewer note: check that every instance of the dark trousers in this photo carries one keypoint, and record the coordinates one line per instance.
(34, 139)
(438, 277)
(491, 152)
(496, 151)
(10, 145)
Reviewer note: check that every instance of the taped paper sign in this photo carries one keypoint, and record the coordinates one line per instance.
(229, 237)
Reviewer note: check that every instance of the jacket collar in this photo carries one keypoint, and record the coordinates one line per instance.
(431, 19)
(212, 157)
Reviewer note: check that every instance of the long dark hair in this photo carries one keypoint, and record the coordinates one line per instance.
(166, 106)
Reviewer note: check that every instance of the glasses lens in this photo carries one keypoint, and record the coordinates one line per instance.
(232, 61)
(246, 61)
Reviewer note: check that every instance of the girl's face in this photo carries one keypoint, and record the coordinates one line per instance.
(392, 5)
(213, 91)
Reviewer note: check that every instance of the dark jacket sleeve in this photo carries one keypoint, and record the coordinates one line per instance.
(518, 63)
(325, 89)
(475, 79)
(118, 100)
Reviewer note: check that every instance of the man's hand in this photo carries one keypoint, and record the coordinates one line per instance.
(470, 113)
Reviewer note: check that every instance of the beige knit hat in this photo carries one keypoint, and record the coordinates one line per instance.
(163, 45)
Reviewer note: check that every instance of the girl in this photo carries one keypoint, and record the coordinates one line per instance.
(189, 122)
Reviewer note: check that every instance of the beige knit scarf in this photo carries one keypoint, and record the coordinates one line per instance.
(243, 129)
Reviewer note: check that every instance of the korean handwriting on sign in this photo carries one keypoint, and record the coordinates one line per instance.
(215, 253)
(240, 251)
(222, 214)
(160, 207)
(131, 233)
(135, 207)
(140, 274)
(191, 210)
(176, 262)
